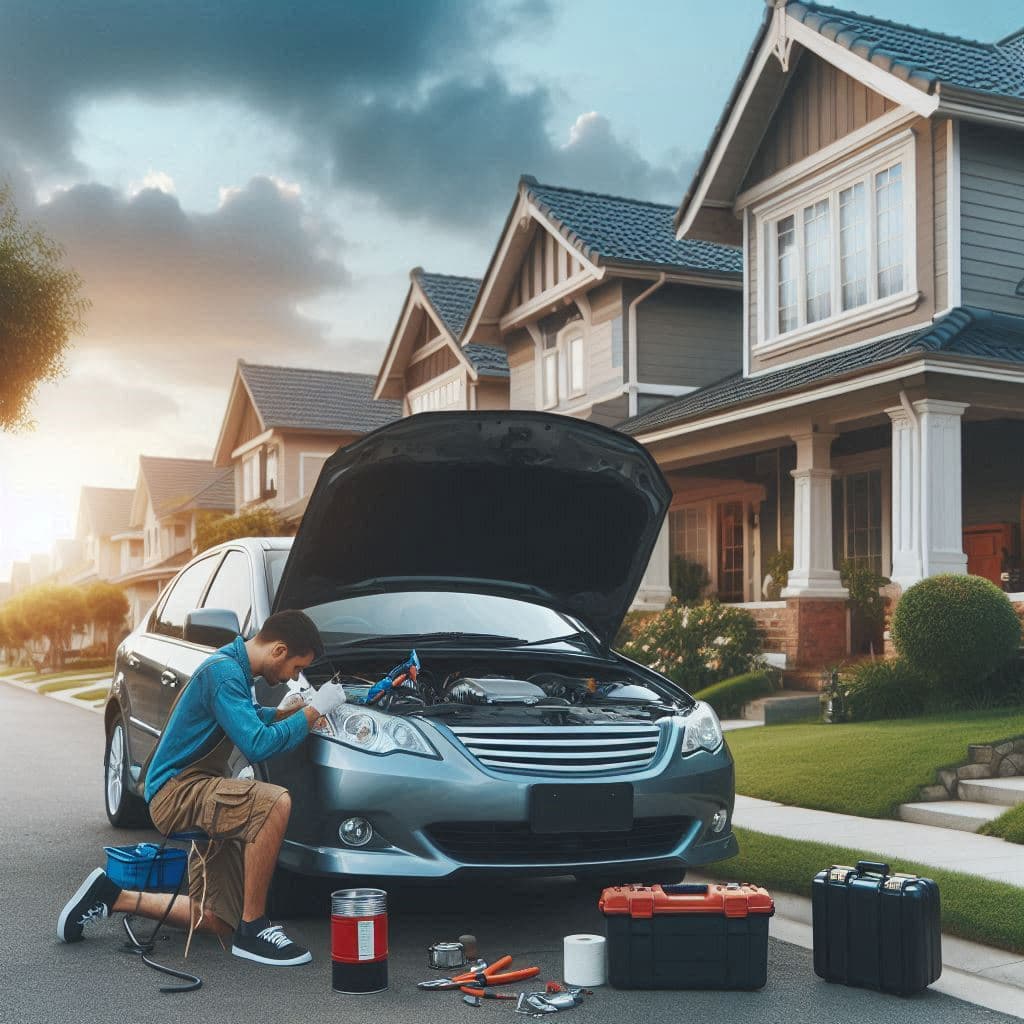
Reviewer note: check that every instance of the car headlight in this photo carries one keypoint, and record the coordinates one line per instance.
(370, 731)
(701, 729)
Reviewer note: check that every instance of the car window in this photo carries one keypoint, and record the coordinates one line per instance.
(183, 598)
(232, 588)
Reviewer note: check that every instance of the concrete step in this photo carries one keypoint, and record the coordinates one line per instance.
(1002, 792)
(963, 815)
(784, 706)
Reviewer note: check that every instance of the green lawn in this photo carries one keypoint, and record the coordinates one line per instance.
(865, 768)
(96, 693)
(56, 683)
(972, 908)
(1008, 826)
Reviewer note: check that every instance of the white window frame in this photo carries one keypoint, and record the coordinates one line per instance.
(251, 482)
(430, 397)
(273, 459)
(569, 335)
(549, 355)
(900, 149)
(864, 462)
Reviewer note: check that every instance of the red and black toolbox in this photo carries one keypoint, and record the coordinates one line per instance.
(687, 936)
(874, 929)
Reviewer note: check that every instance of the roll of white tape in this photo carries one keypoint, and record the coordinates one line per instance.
(583, 960)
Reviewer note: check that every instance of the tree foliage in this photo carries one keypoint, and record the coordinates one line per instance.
(48, 615)
(254, 522)
(41, 307)
(106, 607)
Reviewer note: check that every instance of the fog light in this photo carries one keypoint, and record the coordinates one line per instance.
(355, 832)
(719, 820)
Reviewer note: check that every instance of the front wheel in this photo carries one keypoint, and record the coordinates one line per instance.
(124, 808)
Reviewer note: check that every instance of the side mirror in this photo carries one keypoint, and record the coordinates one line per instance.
(211, 627)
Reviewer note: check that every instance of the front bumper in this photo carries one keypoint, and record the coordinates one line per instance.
(403, 796)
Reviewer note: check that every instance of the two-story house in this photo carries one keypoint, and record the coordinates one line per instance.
(426, 366)
(874, 175)
(103, 516)
(281, 425)
(169, 498)
(604, 314)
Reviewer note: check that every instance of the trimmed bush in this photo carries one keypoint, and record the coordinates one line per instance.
(699, 645)
(884, 689)
(729, 696)
(688, 580)
(955, 630)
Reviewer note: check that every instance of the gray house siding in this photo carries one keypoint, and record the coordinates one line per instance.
(689, 336)
(992, 218)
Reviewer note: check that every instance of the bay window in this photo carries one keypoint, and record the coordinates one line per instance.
(840, 247)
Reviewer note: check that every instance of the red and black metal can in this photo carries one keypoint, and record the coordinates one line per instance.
(359, 940)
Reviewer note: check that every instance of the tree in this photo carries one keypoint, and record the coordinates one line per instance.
(106, 607)
(254, 522)
(40, 309)
(52, 613)
(14, 633)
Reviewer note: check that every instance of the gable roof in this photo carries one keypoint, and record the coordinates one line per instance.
(617, 230)
(922, 57)
(175, 484)
(977, 334)
(107, 510)
(452, 297)
(923, 70)
(333, 401)
(602, 233)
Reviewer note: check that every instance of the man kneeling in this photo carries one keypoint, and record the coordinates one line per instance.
(187, 788)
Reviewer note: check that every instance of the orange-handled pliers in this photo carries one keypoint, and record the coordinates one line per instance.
(481, 978)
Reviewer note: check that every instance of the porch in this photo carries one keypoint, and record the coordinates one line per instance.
(908, 481)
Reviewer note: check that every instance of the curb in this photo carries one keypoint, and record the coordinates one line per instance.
(65, 696)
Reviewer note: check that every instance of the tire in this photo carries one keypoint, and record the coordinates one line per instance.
(124, 808)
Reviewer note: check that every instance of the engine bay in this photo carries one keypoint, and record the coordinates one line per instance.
(522, 689)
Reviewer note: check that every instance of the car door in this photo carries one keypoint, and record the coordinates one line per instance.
(166, 661)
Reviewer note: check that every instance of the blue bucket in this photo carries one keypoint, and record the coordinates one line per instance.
(145, 867)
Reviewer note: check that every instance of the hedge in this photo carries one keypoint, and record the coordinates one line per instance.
(729, 696)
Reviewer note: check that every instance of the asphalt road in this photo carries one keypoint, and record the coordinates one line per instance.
(52, 832)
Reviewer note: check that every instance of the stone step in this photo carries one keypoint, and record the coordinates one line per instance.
(963, 815)
(1007, 792)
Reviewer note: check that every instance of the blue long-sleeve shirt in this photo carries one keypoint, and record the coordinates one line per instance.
(218, 700)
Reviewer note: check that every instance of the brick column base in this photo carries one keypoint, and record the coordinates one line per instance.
(821, 631)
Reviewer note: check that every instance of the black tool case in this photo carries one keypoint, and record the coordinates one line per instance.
(687, 936)
(874, 929)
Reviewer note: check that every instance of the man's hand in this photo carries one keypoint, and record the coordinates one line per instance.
(327, 698)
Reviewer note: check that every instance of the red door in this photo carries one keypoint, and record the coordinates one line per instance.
(987, 547)
(730, 551)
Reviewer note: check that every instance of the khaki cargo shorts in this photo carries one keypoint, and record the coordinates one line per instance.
(230, 811)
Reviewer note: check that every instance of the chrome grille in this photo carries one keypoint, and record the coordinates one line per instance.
(551, 748)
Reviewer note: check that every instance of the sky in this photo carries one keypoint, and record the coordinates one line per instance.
(248, 180)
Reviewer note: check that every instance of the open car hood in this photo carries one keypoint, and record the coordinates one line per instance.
(530, 505)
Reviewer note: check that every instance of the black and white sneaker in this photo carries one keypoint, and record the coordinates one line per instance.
(94, 900)
(266, 943)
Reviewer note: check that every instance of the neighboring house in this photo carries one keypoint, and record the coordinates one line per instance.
(20, 577)
(67, 558)
(604, 313)
(425, 366)
(874, 174)
(282, 423)
(170, 497)
(103, 515)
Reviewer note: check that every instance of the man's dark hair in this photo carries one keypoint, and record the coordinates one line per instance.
(295, 629)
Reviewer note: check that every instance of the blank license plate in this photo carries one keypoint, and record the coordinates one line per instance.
(604, 807)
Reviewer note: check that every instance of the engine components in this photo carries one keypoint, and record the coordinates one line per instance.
(493, 691)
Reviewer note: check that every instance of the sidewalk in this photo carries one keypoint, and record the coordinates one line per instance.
(986, 856)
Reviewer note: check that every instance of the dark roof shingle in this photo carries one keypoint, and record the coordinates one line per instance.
(965, 331)
(176, 483)
(618, 230)
(916, 53)
(327, 400)
(452, 297)
(108, 509)
(488, 360)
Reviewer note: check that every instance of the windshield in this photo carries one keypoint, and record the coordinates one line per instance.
(418, 612)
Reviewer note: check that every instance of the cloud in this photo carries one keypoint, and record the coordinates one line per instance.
(456, 155)
(298, 62)
(185, 294)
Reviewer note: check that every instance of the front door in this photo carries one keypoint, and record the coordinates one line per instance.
(730, 551)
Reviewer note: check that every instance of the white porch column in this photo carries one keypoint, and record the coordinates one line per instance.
(655, 587)
(813, 574)
(927, 504)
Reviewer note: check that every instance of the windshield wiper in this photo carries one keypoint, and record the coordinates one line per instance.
(579, 636)
(419, 639)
